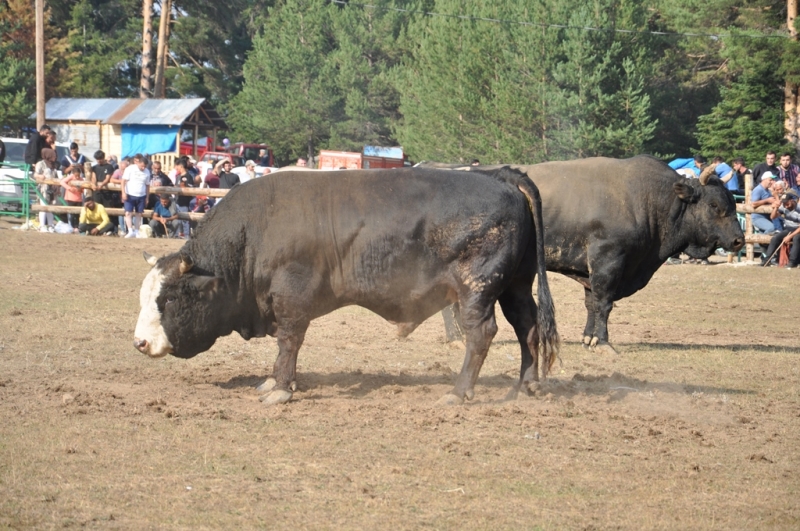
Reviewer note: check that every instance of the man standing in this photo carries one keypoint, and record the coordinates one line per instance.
(767, 166)
(788, 210)
(263, 159)
(135, 189)
(227, 178)
(788, 172)
(742, 172)
(73, 158)
(165, 220)
(762, 196)
(94, 219)
(36, 143)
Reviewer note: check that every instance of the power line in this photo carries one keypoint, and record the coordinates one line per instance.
(714, 36)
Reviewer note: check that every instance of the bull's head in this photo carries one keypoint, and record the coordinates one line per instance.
(709, 217)
(179, 312)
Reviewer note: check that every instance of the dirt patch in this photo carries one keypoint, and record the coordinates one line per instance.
(693, 426)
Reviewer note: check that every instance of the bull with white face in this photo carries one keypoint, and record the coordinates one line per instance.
(283, 250)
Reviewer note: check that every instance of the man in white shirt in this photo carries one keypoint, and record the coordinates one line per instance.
(135, 189)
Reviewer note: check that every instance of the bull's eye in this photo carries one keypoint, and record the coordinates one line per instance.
(170, 300)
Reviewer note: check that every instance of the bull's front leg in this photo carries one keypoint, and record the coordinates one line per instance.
(479, 338)
(279, 387)
(588, 330)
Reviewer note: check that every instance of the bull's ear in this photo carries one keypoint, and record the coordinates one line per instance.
(150, 259)
(207, 286)
(684, 191)
(186, 263)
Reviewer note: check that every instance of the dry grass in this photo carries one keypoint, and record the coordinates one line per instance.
(694, 426)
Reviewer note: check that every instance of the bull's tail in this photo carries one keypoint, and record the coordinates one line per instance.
(549, 340)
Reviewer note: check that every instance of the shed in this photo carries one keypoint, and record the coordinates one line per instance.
(125, 127)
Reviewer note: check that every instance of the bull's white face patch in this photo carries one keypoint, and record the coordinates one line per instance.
(148, 327)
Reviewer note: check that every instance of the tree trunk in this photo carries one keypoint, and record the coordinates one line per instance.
(791, 91)
(163, 48)
(147, 48)
(40, 96)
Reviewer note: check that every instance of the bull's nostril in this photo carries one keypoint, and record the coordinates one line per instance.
(139, 344)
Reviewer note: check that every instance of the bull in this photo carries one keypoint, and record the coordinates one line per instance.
(287, 248)
(611, 223)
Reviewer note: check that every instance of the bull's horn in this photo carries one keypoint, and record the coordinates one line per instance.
(706, 173)
(186, 263)
(150, 259)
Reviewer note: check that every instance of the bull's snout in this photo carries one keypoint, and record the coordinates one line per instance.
(140, 345)
(738, 243)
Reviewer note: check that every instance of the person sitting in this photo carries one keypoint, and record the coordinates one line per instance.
(73, 194)
(761, 196)
(227, 178)
(165, 220)
(790, 235)
(302, 162)
(726, 174)
(689, 167)
(789, 172)
(94, 219)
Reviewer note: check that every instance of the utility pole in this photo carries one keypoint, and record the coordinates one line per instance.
(147, 48)
(40, 96)
(163, 48)
(791, 91)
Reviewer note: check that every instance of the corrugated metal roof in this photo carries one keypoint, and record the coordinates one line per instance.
(122, 111)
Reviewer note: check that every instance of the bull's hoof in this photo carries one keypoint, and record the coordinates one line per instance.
(586, 341)
(605, 348)
(450, 400)
(276, 396)
(593, 342)
(268, 385)
(470, 394)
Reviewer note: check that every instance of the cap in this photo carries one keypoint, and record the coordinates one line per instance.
(767, 175)
(192, 160)
(789, 196)
(249, 163)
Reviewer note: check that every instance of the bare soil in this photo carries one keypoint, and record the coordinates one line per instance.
(694, 425)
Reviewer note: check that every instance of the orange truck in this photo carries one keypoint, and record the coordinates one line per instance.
(371, 157)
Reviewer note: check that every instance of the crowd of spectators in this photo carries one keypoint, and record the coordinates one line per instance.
(135, 177)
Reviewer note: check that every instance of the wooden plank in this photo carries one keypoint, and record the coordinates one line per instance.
(61, 209)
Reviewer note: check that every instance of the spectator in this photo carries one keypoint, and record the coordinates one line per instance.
(36, 143)
(73, 194)
(227, 179)
(789, 172)
(191, 167)
(101, 177)
(2, 151)
(73, 158)
(790, 235)
(265, 171)
(116, 178)
(135, 189)
(263, 158)
(50, 140)
(113, 161)
(201, 204)
(767, 166)
(475, 162)
(165, 220)
(211, 179)
(689, 167)
(249, 171)
(726, 174)
(45, 169)
(302, 162)
(184, 180)
(742, 172)
(761, 196)
(94, 219)
(157, 178)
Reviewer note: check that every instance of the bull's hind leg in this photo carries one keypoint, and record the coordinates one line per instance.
(290, 338)
(519, 310)
(480, 328)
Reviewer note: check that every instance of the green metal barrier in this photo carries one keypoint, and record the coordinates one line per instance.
(25, 185)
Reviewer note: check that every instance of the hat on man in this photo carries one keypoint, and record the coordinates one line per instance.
(249, 163)
(192, 160)
(791, 195)
(767, 175)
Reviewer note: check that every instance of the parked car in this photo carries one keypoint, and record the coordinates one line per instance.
(10, 191)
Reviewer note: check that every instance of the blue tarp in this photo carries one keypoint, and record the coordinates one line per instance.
(148, 139)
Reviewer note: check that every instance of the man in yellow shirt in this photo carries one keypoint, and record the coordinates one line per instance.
(94, 219)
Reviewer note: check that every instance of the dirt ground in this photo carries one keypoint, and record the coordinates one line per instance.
(694, 425)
